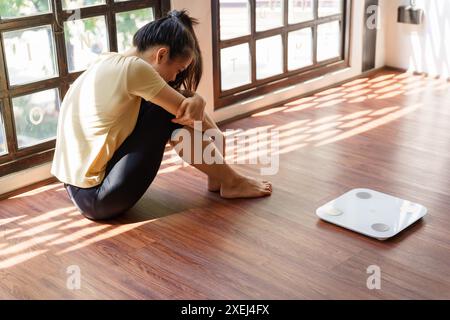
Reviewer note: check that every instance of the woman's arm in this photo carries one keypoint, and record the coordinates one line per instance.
(186, 109)
(192, 109)
(143, 81)
(169, 99)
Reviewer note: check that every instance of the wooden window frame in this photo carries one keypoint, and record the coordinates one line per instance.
(19, 159)
(287, 78)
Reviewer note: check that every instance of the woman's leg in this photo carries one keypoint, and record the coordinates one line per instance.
(210, 124)
(132, 168)
(221, 176)
(135, 164)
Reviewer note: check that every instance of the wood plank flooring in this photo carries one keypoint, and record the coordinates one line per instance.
(390, 132)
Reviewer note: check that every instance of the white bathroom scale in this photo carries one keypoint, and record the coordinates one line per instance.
(371, 213)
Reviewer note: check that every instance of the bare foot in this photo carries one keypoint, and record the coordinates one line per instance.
(246, 187)
(213, 185)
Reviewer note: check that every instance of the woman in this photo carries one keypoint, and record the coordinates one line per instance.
(117, 117)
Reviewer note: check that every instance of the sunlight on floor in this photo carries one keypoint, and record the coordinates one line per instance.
(315, 121)
(31, 233)
(371, 95)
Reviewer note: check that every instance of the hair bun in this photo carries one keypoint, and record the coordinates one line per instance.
(183, 17)
(175, 14)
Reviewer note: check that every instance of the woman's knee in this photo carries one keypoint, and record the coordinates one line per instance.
(86, 201)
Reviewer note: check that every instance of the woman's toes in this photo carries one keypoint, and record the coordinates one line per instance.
(247, 188)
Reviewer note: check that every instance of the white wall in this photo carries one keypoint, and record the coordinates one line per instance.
(424, 48)
(201, 9)
(381, 34)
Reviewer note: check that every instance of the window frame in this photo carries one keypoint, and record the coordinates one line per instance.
(286, 78)
(19, 159)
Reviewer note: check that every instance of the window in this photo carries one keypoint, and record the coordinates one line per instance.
(263, 45)
(44, 46)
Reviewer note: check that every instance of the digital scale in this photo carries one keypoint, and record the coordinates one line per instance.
(372, 213)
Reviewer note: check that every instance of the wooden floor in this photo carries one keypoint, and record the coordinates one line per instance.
(390, 133)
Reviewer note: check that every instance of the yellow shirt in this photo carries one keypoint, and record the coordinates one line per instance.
(98, 113)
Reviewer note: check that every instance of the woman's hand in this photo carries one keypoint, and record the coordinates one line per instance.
(191, 109)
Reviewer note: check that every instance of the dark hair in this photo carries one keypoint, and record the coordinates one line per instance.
(176, 31)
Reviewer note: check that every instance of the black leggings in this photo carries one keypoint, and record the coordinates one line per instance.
(132, 168)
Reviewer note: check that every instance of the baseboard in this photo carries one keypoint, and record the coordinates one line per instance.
(28, 188)
(417, 73)
(402, 70)
(25, 180)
